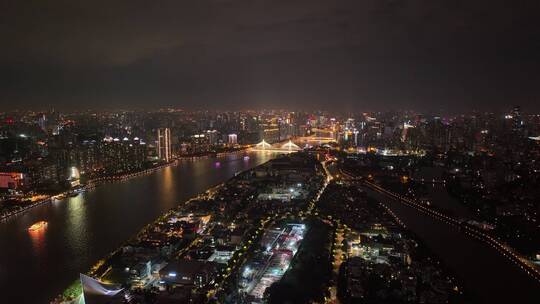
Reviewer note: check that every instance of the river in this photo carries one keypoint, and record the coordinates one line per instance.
(37, 266)
(487, 275)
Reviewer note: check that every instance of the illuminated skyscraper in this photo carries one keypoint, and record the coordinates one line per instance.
(164, 144)
(517, 120)
(233, 139)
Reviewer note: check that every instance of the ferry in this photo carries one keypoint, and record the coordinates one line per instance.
(37, 226)
(58, 197)
(79, 190)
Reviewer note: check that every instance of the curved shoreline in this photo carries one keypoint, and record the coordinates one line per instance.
(93, 183)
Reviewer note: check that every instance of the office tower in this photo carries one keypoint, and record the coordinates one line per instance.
(517, 120)
(233, 139)
(164, 144)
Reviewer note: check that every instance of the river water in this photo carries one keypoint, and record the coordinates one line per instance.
(37, 266)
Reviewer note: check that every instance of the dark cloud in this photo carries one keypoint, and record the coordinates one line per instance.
(368, 54)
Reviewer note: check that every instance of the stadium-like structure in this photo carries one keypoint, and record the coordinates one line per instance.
(96, 292)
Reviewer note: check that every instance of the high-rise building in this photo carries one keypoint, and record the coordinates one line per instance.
(517, 121)
(212, 137)
(42, 122)
(233, 139)
(123, 155)
(164, 144)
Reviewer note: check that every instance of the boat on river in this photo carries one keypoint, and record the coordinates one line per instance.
(38, 226)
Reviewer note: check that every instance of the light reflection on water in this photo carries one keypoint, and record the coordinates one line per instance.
(167, 189)
(76, 223)
(38, 240)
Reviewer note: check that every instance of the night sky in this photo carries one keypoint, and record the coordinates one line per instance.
(233, 54)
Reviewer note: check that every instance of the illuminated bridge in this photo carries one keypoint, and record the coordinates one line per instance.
(319, 136)
(288, 147)
(316, 139)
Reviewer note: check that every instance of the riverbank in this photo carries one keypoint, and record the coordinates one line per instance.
(8, 215)
(91, 184)
(206, 155)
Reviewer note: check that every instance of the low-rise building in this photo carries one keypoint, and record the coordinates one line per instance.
(188, 273)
